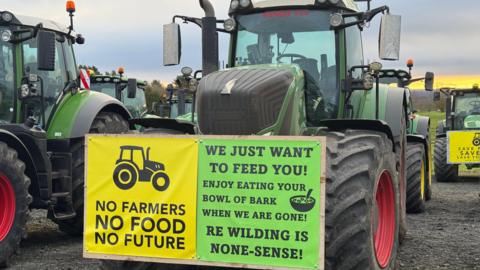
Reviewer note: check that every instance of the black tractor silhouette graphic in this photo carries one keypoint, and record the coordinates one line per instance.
(476, 139)
(127, 172)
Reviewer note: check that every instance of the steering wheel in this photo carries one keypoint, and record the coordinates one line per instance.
(475, 103)
(291, 55)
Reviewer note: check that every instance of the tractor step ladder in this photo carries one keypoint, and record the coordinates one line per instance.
(62, 208)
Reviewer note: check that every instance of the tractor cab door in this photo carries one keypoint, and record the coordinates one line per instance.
(39, 104)
(7, 85)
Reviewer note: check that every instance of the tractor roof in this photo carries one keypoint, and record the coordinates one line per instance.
(349, 4)
(131, 147)
(109, 79)
(47, 24)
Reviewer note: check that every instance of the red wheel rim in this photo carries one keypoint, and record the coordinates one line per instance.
(7, 206)
(384, 230)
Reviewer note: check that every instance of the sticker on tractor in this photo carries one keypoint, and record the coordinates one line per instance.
(140, 197)
(463, 147)
(219, 201)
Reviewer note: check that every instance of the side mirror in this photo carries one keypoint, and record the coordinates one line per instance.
(171, 44)
(389, 39)
(46, 50)
(429, 80)
(132, 88)
(436, 96)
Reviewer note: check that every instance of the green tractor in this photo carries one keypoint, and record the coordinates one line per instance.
(419, 171)
(297, 69)
(44, 116)
(116, 86)
(462, 112)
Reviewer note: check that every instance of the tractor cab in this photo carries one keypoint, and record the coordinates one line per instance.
(462, 108)
(37, 63)
(132, 96)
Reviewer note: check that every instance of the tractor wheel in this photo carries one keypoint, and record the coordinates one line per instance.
(160, 181)
(363, 201)
(476, 142)
(417, 178)
(105, 122)
(444, 172)
(14, 202)
(125, 176)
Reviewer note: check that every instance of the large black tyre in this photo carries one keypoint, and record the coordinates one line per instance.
(417, 177)
(444, 172)
(14, 202)
(359, 164)
(104, 123)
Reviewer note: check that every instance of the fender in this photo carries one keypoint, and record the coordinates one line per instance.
(360, 124)
(441, 129)
(76, 112)
(37, 166)
(392, 104)
(165, 123)
(421, 126)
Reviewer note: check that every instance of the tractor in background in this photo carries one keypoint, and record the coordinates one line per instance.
(462, 113)
(419, 161)
(116, 86)
(44, 116)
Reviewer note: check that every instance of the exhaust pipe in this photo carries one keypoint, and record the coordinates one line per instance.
(209, 39)
(208, 8)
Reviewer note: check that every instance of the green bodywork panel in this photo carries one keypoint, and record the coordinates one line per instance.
(364, 103)
(472, 122)
(62, 122)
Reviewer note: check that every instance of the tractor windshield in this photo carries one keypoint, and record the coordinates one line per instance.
(467, 111)
(6, 81)
(138, 105)
(106, 88)
(301, 37)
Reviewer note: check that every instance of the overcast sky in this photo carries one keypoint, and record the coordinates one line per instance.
(441, 35)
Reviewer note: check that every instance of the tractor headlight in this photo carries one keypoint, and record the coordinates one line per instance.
(229, 24)
(6, 35)
(234, 4)
(24, 91)
(245, 3)
(7, 16)
(336, 20)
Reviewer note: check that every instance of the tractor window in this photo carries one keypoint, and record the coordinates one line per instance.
(354, 48)
(70, 60)
(138, 105)
(6, 82)
(301, 37)
(138, 158)
(53, 81)
(106, 88)
(467, 104)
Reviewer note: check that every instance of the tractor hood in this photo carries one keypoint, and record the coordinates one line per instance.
(248, 100)
(472, 122)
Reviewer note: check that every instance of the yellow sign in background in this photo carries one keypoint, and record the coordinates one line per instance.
(136, 204)
(463, 147)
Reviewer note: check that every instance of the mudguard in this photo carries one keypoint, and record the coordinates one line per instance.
(421, 126)
(441, 129)
(76, 112)
(31, 168)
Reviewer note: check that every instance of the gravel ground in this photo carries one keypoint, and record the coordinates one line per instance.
(447, 236)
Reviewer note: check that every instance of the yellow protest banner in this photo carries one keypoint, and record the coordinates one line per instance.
(141, 197)
(463, 147)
